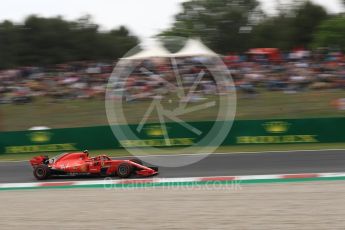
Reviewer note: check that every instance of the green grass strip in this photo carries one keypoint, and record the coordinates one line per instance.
(175, 185)
(224, 149)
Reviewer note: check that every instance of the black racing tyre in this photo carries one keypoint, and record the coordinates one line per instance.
(42, 172)
(124, 170)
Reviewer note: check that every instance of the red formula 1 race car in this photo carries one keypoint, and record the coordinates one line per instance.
(80, 164)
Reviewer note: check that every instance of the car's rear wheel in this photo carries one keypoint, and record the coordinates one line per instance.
(124, 170)
(41, 172)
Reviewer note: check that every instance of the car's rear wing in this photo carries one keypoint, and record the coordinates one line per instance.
(39, 160)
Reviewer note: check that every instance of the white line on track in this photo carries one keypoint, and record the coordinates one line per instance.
(171, 180)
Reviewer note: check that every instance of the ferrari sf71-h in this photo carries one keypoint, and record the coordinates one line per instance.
(80, 164)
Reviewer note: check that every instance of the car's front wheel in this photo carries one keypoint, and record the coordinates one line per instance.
(41, 172)
(124, 170)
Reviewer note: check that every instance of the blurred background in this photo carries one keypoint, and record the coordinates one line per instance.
(287, 60)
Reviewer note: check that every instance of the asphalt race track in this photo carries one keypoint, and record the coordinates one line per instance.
(220, 165)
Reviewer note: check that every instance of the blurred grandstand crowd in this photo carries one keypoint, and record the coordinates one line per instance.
(66, 81)
(293, 72)
(252, 72)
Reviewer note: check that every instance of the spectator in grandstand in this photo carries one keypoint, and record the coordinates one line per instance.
(299, 70)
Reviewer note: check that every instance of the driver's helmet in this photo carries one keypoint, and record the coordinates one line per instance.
(87, 152)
